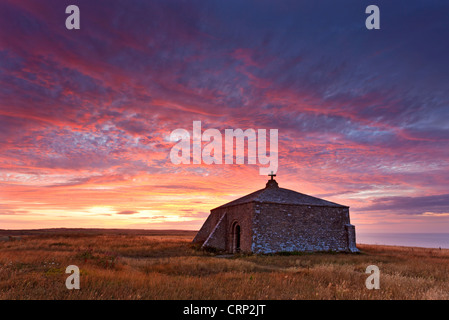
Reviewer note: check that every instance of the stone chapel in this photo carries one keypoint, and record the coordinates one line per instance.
(275, 219)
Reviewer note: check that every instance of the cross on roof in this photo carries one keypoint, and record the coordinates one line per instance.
(272, 175)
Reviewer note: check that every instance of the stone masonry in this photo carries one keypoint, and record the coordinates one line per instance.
(274, 219)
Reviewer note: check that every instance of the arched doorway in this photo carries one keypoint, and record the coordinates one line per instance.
(236, 237)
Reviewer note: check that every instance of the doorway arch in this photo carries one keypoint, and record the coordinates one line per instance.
(236, 232)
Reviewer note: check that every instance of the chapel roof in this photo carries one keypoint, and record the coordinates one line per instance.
(273, 194)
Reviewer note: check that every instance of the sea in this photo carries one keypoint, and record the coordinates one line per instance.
(425, 240)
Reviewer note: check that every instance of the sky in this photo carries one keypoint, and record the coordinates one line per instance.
(86, 115)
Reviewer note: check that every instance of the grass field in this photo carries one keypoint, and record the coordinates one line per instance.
(136, 264)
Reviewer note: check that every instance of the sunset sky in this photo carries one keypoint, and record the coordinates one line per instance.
(86, 115)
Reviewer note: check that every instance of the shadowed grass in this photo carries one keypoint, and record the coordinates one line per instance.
(168, 266)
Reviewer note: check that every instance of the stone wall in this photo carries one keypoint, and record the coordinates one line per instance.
(272, 227)
(350, 229)
(283, 227)
(207, 227)
(243, 215)
(221, 237)
(216, 238)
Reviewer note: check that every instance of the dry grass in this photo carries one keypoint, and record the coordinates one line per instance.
(167, 266)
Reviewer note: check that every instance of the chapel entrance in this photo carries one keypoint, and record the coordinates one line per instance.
(235, 238)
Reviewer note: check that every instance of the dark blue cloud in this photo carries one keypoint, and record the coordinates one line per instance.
(410, 205)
